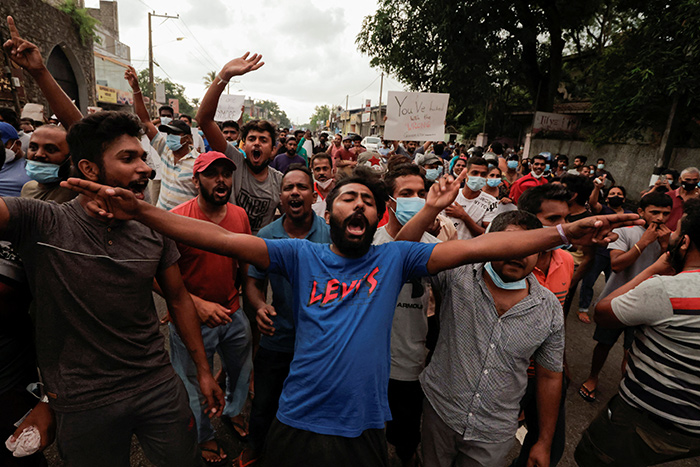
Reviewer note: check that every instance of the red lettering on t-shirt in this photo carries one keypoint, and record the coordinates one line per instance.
(347, 290)
(313, 299)
(372, 281)
(331, 291)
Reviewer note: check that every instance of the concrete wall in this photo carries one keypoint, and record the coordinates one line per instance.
(45, 26)
(630, 164)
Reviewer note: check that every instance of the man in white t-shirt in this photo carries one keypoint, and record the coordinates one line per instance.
(409, 329)
(473, 210)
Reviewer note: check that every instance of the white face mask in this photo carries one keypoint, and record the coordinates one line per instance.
(9, 155)
(535, 175)
(324, 185)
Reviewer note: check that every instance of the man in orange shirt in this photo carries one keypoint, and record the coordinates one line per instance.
(554, 271)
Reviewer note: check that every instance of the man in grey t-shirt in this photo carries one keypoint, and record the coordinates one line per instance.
(99, 347)
(256, 187)
(636, 249)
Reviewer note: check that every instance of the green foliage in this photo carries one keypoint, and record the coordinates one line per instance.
(209, 78)
(172, 91)
(321, 113)
(84, 23)
(276, 114)
(649, 65)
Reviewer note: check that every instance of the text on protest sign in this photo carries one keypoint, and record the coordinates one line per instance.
(416, 116)
(229, 107)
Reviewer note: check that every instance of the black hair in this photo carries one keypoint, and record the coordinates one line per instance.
(524, 219)
(531, 200)
(299, 168)
(297, 133)
(363, 176)
(476, 160)
(539, 156)
(89, 137)
(673, 172)
(321, 155)
(563, 157)
(582, 187)
(230, 124)
(497, 148)
(654, 198)
(690, 222)
(166, 107)
(261, 126)
(582, 158)
(8, 115)
(402, 170)
(601, 159)
(620, 187)
(189, 119)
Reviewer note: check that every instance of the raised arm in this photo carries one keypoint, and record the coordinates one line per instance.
(27, 55)
(118, 203)
(139, 106)
(210, 101)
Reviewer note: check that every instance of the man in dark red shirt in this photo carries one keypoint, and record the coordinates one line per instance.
(534, 178)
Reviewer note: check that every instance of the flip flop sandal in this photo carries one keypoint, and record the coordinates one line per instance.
(239, 462)
(217, 451)
(588, 395)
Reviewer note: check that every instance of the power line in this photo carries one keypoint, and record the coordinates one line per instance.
(197, 40)
(370, 84)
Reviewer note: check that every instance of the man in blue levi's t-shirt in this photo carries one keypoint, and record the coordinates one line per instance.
(334, 402)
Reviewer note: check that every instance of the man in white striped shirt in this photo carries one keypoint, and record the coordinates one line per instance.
(655, 417)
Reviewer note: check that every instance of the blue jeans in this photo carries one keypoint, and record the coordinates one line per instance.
(600, 264)
(232, 342)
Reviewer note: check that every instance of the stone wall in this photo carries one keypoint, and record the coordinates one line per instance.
(47, 27)
(630, 164)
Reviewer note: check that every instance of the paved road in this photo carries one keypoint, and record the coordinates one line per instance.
(579, 413)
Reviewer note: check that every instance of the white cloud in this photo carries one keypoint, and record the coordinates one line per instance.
(308, 47)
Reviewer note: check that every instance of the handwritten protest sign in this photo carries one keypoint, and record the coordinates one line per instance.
(229, 107)
(416, 116)
(33, 111)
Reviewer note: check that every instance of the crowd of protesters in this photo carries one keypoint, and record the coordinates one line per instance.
(414, 294)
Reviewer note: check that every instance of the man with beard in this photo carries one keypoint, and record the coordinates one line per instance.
(654, 417)
(283, 160)
(322, 145)
(324, 181)
(276, 321)
(48, 162)
(534, 178)
(212, 282)
(255, 186)
(99, 348)
(334, 405)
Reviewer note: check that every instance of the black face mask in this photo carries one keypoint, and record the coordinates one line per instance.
(688, 186)
(615, 201)
(256, 169)
(676, 258)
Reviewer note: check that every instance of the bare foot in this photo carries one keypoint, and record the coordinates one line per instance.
(240, 425)
(583, 317)
(212, 452)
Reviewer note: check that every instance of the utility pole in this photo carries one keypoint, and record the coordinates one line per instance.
(380, 117)
(150, 57)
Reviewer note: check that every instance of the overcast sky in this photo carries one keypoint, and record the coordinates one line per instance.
(308, 47)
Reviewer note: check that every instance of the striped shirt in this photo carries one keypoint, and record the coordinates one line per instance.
(477, 375)
(176, 186)
(663, 373)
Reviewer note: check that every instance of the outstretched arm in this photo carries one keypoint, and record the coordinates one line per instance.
(27, 55)
(139, 106)
(118, 203)
(207, 108)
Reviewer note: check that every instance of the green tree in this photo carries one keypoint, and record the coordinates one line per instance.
(321, 114)
(275, 114)
(650, 73)
(209, 78)
(172, 91)
(492, 56)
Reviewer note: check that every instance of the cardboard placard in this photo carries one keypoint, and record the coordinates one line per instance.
(416, 116)
(229, 107)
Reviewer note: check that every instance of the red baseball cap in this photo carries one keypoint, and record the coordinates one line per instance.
(205, 159)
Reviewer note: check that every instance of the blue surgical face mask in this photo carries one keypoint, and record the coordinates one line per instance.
(546, 167)
(433, 174)
(476, 183)
(384, 151)
(601, 166)
(43, 172)
(165, 120)
(512, 164)
(501, 284)
(406, 208)
(173, 142)
(494, 182)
